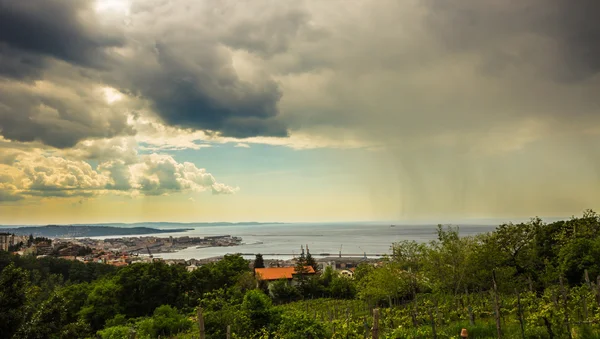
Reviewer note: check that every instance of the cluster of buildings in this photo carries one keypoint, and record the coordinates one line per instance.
(128, 250)
(286, 269)
(23, 244)
(7, 241)
(117, 251)
(151, 244)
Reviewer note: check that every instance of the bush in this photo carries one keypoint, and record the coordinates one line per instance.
(300, 325)
(165, 322)
(259, 309)
(115, 332)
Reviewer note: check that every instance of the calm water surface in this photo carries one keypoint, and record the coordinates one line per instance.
(286, 239)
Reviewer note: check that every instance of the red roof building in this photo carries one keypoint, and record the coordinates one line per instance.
(276, 273)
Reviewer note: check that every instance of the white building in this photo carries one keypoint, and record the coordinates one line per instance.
(6, 240)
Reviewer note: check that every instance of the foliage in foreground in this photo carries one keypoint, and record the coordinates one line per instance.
(443, 285)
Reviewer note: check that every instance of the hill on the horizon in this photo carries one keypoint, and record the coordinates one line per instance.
(71, 231)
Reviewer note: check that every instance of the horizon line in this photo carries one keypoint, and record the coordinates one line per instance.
(416, 222)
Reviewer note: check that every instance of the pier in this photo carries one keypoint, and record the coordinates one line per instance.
(346, 255)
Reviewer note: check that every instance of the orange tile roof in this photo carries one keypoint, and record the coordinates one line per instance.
(275, 273)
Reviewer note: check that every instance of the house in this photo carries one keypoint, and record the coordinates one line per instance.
(6, 241)
(270, 274)
(118, 263)
(43, 248)
(347, 273)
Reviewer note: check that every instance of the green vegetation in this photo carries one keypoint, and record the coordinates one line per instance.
(259, 261)
(541, 278)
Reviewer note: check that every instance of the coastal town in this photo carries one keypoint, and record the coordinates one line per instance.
(125, 251)
(113, 251)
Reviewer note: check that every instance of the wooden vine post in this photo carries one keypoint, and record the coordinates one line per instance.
(520, 312)
(438, 314)
(496, 305)
(376, 323)
(469, 308)
(587, 278)
(228, 331)
(584, 299)
(432, 319)
(565, 306)
(200, 322)
(347, 316)
(598, 290)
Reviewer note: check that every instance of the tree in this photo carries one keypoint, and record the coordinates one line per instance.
(103, 303)
(327, 276)
(300, 268)
(259, 262)
(144, 287)
(13, 296)
(259, 309)
(246, 282)
(342, 287)
(385, 283)
(300, 272)
(310, 261)
(282, 291)
(166, 321)
(48, 319)
(447, 260)
(221, 307)
(577, 256)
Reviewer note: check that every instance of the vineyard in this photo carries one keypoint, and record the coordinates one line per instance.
(522, 315)
(527, 280)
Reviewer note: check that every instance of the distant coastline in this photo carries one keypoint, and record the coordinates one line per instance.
(197, 224)
(152, 224)
(73, 231)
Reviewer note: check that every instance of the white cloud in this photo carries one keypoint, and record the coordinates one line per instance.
(156, 136)
(218, 188)
(120, 171)
(161, 174)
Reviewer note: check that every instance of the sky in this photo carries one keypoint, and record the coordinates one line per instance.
(306, 110)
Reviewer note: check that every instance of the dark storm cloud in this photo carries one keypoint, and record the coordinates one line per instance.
(197, 88)
(63, 29)
(579, 35)
(238, 110)
(572, 28)
(61, 109)
(56, 116)
(189, 80)
(269, 36)
(18, 64)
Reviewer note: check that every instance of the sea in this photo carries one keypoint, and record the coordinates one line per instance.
(284, 241)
